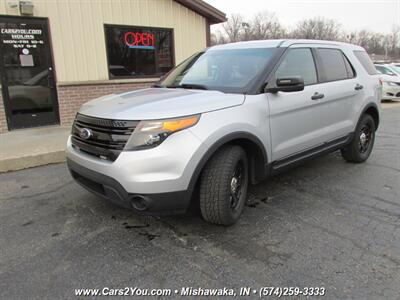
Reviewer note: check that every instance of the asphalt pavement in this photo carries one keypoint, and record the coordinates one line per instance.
(327, 224)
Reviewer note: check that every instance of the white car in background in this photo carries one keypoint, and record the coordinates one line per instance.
(390, 77)
(396, 67)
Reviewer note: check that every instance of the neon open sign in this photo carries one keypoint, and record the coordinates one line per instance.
(139, 40)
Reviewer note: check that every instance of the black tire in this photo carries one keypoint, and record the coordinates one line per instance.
(362, 143)
(222, 198)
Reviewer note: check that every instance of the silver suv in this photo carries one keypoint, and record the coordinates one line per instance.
(231, 115)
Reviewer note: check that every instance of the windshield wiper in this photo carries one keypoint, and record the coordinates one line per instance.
(189, 86)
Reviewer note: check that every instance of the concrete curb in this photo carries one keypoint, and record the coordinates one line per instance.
(21, 149)
(20, 163)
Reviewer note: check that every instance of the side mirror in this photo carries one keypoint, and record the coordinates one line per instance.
(287, 84)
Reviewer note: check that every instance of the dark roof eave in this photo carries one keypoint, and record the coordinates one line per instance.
(213, 15)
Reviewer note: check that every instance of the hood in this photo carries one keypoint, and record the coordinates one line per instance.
(159, 103)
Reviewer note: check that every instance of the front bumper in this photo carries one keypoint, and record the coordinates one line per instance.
(165, 168)
(390, 92)
(107, 187)
(160, 176)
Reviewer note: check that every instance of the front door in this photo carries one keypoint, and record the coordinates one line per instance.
(27, 76)
(296, 118)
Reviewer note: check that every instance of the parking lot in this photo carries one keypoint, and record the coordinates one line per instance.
(325, 224)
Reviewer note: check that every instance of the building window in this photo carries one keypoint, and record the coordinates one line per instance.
(135, 52)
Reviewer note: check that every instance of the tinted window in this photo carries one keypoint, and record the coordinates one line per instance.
(333, 64)
(298, 62)
(366, 62)
(138, 51)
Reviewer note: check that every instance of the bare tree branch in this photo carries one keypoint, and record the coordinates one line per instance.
(265, 25)
(318, 29)
(234, 28)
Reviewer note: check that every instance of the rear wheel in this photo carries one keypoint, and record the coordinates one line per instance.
(361, 146)
(223, 186)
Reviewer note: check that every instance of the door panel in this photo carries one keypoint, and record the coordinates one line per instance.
(339, 106)
(300, 121)
(295, 118)
(27, 73)
(339, 82)
(296, 122)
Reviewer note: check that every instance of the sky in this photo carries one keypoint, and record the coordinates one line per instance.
(375, 15)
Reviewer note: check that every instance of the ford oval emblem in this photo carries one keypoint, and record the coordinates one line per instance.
(85, 133)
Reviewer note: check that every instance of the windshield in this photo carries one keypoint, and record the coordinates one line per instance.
(385, 70)
(396, 69)
(226, 70)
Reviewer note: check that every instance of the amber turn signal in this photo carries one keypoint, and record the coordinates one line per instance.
(179, 124)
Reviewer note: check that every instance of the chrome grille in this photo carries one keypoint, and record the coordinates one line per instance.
(108, 137)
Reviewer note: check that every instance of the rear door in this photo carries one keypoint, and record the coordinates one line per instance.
(343, 91)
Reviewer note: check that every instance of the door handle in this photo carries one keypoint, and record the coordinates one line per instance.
(358, 87)
(317, 96)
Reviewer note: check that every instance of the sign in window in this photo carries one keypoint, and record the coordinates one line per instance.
(138, 51)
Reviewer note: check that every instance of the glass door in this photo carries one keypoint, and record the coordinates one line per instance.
(27, 76)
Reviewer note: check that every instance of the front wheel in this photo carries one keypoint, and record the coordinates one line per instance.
(361, 146)
(223, 186)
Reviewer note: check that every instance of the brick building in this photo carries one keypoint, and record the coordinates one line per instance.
(56, 55)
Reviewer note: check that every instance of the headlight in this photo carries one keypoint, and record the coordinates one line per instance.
(391, 83)
(149, 134)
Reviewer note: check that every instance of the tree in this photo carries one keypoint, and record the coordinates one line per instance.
(265, 25)
(395, 40)
(317, 28)
(234, 28)
(218, 38)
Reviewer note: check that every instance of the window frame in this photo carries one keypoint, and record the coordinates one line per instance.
(322, 71)
(284, 56)
(353, 70)
(110, 77)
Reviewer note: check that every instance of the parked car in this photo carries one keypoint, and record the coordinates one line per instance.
(396, 67)
(226, 117)
(32, 95)
(119, 71)
(390, 77)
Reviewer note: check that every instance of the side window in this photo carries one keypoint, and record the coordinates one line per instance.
(349, 67)
(333, 63)
(298, 62)
(366, 62)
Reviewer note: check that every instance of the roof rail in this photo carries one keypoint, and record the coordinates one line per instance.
(310, 42)
(280, 43)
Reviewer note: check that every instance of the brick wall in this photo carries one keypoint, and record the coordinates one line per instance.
(71, 97)
(3, 121)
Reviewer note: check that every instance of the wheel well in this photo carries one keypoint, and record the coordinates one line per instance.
(256, 155)
(373, 112)
(256, 158)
